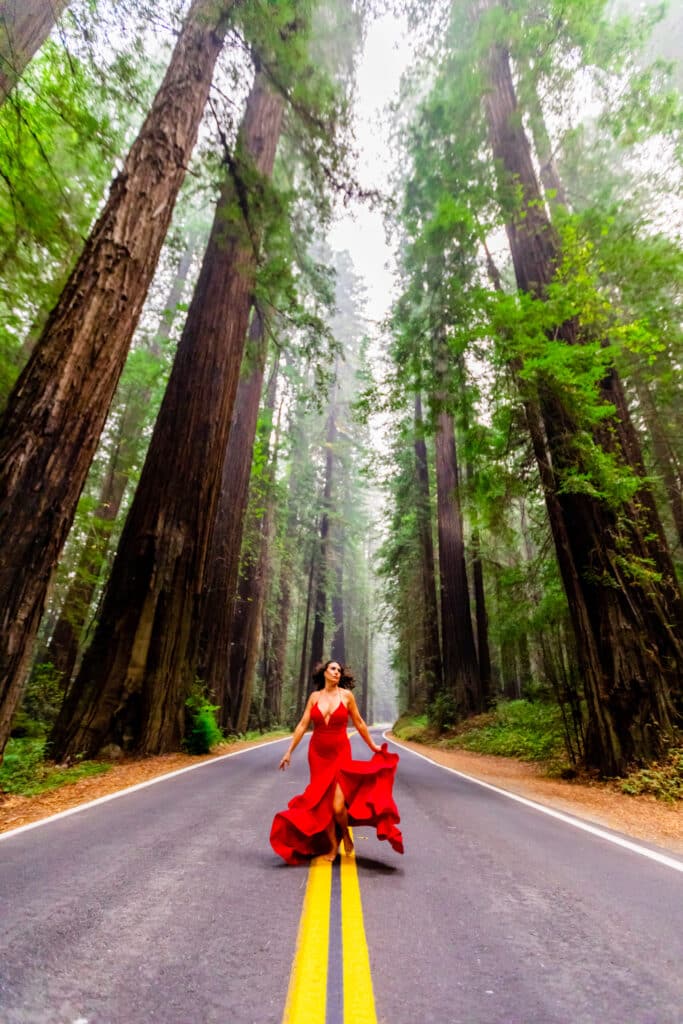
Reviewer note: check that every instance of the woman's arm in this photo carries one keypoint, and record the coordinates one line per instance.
(360, 724)
(298, 733)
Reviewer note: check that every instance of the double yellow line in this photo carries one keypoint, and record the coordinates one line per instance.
(307, 998)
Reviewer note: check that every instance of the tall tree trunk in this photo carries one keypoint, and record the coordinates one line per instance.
(460, 669)
(482, 619)
(431, 652)
(623, 595)
(223, 562)
(248, 639)
(322, 569)
(277, 651)
(305, 660)
(248, 631)
(666, 462)
(338, 647)
(55, 415)
(24, 27)
(138, 671)
(548, 172)
(363, 702)
(62, 650)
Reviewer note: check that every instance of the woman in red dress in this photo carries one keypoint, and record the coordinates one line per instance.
(341, 791)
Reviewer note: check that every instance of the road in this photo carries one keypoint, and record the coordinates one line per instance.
(167, 904)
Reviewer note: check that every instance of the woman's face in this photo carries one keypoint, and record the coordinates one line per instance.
(333, 672)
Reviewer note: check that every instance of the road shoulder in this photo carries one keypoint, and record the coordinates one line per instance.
(640, 817)
(16, 811)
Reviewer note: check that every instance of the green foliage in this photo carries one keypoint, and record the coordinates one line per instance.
(528, 730)
(59, 137)
(25, 771)
(531, 731)
(201, 728)
(663, 779)
(442, 712)
(41, 702)
(411, 727)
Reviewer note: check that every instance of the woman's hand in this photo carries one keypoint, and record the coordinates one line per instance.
(376, 749)
(284, 763)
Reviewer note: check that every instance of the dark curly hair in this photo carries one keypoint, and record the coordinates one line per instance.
(346, 679)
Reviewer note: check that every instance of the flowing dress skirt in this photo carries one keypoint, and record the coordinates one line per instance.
(301, 832)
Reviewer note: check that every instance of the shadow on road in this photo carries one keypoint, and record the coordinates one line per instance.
(377, 867)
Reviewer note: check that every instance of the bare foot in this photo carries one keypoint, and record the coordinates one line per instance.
(348, 842)
(332, 853)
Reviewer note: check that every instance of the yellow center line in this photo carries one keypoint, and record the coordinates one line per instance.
(359, 1001)
(307, 995)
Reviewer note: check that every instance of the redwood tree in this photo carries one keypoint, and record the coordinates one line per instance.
(63, 647)
(431, 652)
(138, 671)
(460, 668)
(223, 562)
(54, 417)
(623, 595)
(323, 559)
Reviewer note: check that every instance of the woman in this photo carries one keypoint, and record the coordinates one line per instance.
(341, 791)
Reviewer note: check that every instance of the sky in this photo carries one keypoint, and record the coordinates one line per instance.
(361, 230)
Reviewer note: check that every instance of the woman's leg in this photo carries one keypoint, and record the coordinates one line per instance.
(341, 817)
(334, 842)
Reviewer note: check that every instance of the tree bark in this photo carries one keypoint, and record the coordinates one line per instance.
(24, 27)
(338, 647)
(321, 590)
(55, 415)
(248, 632)
(224, 560)
(460, 669)
(277, 651)
(363, 701)
(430, 648)
(249, 637)
(62, 650)
(137, 674)
(548, 172)
(623, 595)
(666, 463)
(301, 685)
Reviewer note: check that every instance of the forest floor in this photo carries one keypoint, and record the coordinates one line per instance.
(641, 817)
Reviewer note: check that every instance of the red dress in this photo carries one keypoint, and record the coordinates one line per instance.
(300, 832)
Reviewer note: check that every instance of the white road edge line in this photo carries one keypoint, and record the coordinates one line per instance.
(132, 789)
(584, 826)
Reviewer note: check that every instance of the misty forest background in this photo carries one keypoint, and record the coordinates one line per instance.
(216, 469)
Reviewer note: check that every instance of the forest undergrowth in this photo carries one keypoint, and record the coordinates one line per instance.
(25, 771)
(532, 731)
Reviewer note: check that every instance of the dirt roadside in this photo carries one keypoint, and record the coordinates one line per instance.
(16, 811)
(640, 817)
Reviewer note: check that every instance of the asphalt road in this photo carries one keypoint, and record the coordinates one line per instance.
(168, 905)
